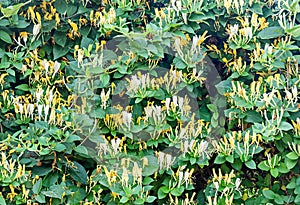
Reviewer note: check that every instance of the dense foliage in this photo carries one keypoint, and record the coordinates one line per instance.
(149, 102)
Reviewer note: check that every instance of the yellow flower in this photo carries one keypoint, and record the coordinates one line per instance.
(73, 25)
(57, 19)
(263, 23)
(24, 36)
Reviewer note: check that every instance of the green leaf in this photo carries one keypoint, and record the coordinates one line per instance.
(285, 126)
(263, 166)
(297, 199)
(147, 180)
(161, 194)
(40, 198)
(124, 199)
(274, 172)
(59, 147)
(295, 31)
(250, 164)
(78, 173)
(290, 164)
(253, 116)
(278, 199)
(292, 156)
(59, 51)
(237, 165)
(257, 8)
(229, 159)
(220, 159)
(165, 189)
(271, 32)
(5, 37)
(150, 199)
(56, 191)
(105, 79)
(152, 166)
(12, 10)
(61, 6)
(60, 38)
(283, 168)
(73, 138)
(177, 191)
(139, 201)
(269, 194)
(81, 150)
(224, 86)
(37, 186)
(23, 87)
(2, 200)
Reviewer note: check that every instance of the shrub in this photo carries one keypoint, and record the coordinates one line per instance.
(149, 102)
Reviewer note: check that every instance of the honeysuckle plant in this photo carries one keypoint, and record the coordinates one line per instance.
(140, 102)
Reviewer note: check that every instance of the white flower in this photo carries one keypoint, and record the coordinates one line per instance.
(127, 117)
(45, 64)
(56, 68)
(30, 110)
(46, 111)
(137, 173)
(168, 100)
(125, 177)
(38, 94)
(233, 30)
(248, 33)
(36, 29)
(40, 110)
(115, 143)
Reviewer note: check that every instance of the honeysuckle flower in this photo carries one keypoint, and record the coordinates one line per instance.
(56, 68)
(24, 36)
(30, 110)
(263, 23)
(104, 98)
(165, 160)
(46, 112)
(127, 119)
(227, 4)
(184, 16)
(115, 144)
(294, 147)
(137, 173)
(248, 33)
(156, 113)
(36, 29)
(125, 177)
(40, 111)
(233, 30)
(2, 78)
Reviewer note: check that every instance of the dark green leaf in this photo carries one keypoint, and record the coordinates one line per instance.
(271, 32)
(59, 51)
(78, 173)
(5, 37)
(37, 186)
(60, 38)
(253, 116)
